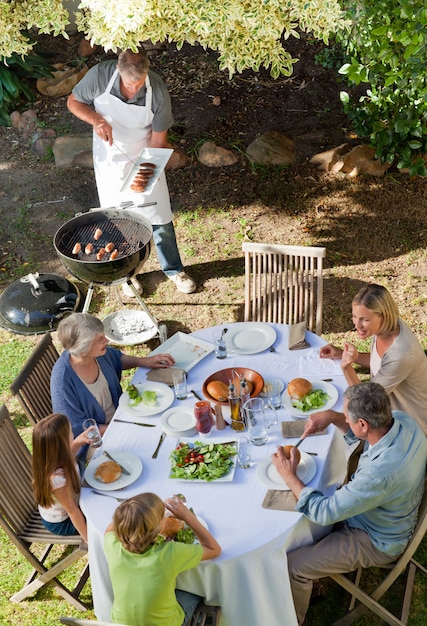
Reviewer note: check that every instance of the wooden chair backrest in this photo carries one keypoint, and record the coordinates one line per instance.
(284, 284)
(32, 385)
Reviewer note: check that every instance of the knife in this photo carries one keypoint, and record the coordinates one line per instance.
(124, 470)
(156, 451)
(136, 423)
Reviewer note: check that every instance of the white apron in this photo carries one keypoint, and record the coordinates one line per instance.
(131, 133)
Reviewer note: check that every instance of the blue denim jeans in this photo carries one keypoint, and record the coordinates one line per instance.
(167, 248)
(189, 602)
(60, 528)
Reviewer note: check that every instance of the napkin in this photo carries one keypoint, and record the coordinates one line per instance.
(297, 339)
(296, 429)
(162, 375)
(311, 364)
(279, 500)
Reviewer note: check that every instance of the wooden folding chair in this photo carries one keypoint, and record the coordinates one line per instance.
(405, 563)
(32, 385)
(284, 284)
(20, 520)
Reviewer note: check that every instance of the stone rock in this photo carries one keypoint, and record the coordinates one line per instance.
(15, 118)
(28, 123)
(272, 148)
(62, 80)
(212, 155)
(331, 160)
(74, 151)
(178, 160)
(43, 140)
(361, 160)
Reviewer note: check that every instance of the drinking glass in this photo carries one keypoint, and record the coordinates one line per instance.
(94, 435)
(180, 384)
(244, 453)
(255, 421)
(270, 416)
(274, 394)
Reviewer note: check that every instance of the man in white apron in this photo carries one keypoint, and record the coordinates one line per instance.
(129, 108)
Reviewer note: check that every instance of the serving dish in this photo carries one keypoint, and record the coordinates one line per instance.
(185, 349)
(270, 477)
(317, 384)
(129, 461)
(159, 157)
(179, 421)
(164, 398)
(228, 374)
(250, 337)
(129, 328)
(228, 477)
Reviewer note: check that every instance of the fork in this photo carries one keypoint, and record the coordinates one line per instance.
(107, 495)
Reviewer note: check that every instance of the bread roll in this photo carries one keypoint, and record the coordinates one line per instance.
(218, 390)
(287, 452)
(108, 472)
(170, 526)
(298, 388)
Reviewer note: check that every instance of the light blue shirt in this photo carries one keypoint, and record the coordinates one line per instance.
(384, 494)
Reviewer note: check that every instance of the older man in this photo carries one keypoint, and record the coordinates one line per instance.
(377, 508)
(129, 108)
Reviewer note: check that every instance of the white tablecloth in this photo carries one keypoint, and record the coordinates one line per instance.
(250, 579)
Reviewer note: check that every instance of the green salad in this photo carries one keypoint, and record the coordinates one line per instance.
(314, 399)
(149, 398)
(200, 461)
(185, 535)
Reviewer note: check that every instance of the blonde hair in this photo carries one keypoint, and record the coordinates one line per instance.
(51, 451)
(77, 332)
(136, 521)
(378, 299)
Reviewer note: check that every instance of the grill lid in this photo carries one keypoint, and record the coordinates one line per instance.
(36, 303)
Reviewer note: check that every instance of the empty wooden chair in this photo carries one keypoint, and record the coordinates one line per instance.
(405, 563)
(32, 385)
(284, 284)
(20, 520)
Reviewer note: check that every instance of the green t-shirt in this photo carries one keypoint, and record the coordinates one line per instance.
(144, 584)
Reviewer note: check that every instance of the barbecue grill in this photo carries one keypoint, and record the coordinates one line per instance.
(122, 227)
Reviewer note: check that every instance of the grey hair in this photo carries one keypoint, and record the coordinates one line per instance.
(370, 402)
(133, 65)
(77, 332)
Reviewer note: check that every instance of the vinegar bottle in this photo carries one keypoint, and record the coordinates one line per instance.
(244, 395)
(234, 404)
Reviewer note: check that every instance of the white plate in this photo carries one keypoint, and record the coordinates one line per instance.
(128, 328)
(186, 350)
(264, 394)
(317, 384)
(179, 421)
(159, 157)
(165, 397)
(227, 478)
(270, 477)
(250, 337)
(131, 462)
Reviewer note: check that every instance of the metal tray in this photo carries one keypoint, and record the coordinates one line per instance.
(159, 157)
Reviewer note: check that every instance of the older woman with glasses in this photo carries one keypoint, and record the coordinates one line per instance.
(85, 380)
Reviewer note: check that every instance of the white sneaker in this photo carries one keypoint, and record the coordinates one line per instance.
(128, 292)
(183, 282)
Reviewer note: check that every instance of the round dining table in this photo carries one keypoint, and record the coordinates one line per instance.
(249, 580)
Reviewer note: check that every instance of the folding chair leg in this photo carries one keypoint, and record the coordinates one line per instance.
(49, 577)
